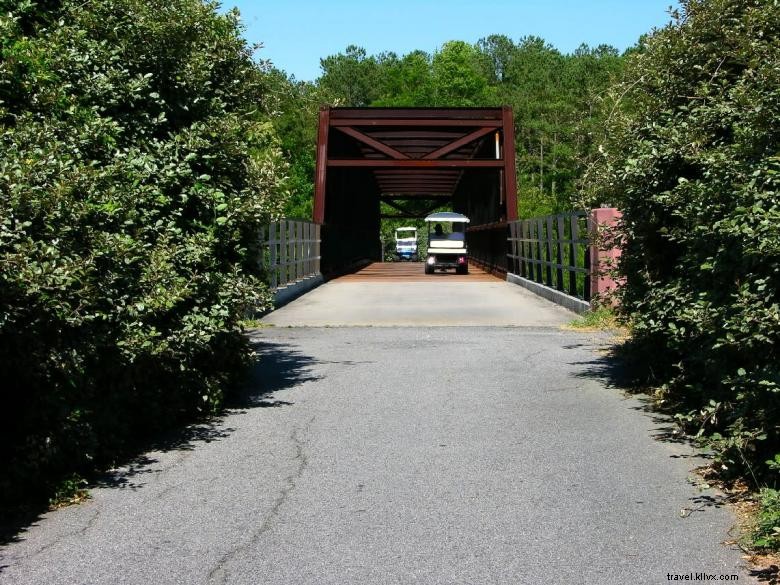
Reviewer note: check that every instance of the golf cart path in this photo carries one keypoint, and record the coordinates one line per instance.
(447, 455)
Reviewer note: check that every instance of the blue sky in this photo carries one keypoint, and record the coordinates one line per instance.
(297, 33)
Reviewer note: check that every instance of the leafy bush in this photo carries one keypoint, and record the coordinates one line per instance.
(136, 164)
(767, 533)
(693, 162)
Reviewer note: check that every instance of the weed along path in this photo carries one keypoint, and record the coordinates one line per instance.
(395, 455)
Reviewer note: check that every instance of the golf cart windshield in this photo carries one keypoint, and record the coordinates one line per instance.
(447, 225)
(406, 233)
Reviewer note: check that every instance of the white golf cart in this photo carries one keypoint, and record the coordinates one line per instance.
(447, 242)
(406, 243)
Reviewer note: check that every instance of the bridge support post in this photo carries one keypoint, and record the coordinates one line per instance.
(604, 253)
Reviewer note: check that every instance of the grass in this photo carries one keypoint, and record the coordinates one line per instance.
(254, 324)
(600, 318)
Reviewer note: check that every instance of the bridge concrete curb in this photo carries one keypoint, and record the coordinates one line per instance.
(567, 302)
(289, 293)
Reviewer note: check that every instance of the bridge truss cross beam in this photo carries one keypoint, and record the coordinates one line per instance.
(459, 157)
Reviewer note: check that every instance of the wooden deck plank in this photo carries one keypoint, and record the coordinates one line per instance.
(413, 272)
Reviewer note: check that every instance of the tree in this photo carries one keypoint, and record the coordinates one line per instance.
(408, 81)
(350, 77)
(295, 122)
(498, 52)
(458, 80)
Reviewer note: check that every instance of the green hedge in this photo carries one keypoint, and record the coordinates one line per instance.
(693, 160)
(136, 165)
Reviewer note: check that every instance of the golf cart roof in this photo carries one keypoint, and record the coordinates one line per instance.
(447, 216)
(406, 229)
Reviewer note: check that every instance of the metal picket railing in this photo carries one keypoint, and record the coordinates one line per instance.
(553, 251)
(290, 251)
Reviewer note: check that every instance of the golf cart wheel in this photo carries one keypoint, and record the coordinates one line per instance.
(428, 268)
(462, 270)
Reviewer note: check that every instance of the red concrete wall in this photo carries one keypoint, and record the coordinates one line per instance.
(604, 254)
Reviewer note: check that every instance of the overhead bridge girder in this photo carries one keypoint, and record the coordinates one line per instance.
(460, 157)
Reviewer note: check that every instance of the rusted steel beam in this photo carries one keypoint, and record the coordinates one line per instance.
(510, 173)
(471, 137)
(416, 194)
(417, 151)
(487, 226)
(377, 122)
(375, 144)
(371, 155)
(415, 189)
(416, 135)
(321, 166)
(419, 144)
(435, 173)
(413, 197)
(400, 215)
(419, 113)
(415, 181)
(447, 186)
(416, 163)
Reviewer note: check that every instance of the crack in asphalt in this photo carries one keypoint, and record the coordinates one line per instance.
(90, 523)
(59, 539)
(219, 573)
(164, 492)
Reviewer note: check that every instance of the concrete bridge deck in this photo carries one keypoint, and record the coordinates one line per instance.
(400, 294)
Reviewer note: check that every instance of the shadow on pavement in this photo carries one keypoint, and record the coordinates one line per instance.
(277, 367)
(608, 367)
(769, 575)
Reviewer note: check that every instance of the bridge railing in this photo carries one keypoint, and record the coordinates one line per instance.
(571, 254)
(290, 251)
(553, 251)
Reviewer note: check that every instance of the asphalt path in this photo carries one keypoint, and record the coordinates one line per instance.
(379, 455)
